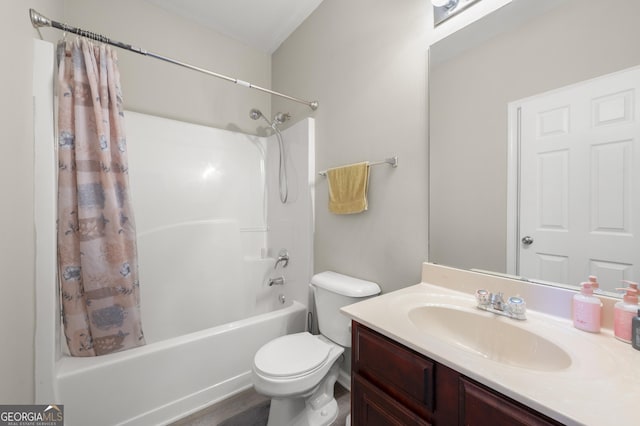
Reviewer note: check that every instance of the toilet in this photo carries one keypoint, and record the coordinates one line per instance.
(298, 371)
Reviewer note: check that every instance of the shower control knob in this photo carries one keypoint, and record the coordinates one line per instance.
(527, 241)
(283, 258)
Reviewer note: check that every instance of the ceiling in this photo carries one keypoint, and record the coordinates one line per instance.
(261, 24)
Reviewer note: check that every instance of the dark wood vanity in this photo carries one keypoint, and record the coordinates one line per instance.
(394, 385)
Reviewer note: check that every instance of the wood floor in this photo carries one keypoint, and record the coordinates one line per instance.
(248, 408)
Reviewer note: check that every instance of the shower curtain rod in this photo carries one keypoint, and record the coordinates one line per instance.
(38, 20)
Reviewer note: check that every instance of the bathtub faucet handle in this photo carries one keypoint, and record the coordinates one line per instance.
(283, 257)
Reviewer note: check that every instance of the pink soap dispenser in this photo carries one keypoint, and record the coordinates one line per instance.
(587, 309)
(624, 311)
(595, 285)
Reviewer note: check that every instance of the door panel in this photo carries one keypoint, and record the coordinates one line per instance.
(579, 201)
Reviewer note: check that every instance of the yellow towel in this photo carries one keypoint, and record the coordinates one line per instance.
(348, 188)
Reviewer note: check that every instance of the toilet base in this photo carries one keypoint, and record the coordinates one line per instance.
(298, 412)
(316, 408)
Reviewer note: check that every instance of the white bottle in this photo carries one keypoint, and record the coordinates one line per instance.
(587, 310)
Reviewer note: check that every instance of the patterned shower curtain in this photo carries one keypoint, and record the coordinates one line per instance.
(96, 232)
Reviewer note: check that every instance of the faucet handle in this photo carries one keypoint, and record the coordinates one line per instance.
(482, 297)
(517, 306)
(283, 257)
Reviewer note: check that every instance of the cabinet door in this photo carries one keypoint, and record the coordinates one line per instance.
(372, 407)
(480, 406)
(407, 376)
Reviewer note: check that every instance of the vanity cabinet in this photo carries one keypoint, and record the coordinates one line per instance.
(394, 385)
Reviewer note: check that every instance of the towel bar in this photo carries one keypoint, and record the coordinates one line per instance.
(392, 161)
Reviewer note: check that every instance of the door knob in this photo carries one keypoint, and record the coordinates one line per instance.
(527, 241)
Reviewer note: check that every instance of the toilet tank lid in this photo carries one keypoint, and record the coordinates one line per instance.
(344, 284)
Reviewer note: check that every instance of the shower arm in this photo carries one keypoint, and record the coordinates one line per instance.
(38, 20)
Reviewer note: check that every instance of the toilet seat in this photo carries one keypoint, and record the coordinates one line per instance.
(291, 356)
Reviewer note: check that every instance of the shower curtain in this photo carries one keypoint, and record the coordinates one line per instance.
(96, 232)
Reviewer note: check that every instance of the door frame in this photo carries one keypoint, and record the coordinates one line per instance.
(513, 186)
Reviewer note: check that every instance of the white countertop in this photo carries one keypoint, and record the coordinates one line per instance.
(601, 386)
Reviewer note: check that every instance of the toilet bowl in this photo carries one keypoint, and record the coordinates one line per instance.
(299, 371)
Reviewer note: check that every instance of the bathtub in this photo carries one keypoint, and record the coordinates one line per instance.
(164, 381)
(206, 310)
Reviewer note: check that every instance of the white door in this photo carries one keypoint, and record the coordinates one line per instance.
(580, 182)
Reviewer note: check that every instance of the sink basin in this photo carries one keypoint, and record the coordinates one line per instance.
(491, 337)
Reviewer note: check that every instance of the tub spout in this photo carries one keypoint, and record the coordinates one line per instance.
(276, 281)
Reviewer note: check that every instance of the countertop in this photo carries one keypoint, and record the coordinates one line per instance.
(600, 387)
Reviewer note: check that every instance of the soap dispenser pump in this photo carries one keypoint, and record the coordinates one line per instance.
(625, 311)
(595, 285)
(587, 309)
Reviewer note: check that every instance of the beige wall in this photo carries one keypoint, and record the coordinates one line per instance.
(469, 96)
(365, 62)
(16, 186)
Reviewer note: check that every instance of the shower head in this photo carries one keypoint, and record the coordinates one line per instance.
(255, 114)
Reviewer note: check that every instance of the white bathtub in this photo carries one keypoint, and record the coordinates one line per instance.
(163, 381)
(206, 310)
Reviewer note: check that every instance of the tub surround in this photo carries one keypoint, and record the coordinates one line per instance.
(603, 379)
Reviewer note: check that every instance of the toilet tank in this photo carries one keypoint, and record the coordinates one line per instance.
(333, 291)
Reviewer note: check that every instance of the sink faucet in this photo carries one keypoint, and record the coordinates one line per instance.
(497, 301)
(514, 307)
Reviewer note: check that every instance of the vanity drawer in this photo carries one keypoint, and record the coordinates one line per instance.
(402, 374)
(481, 406)
(371, 406)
